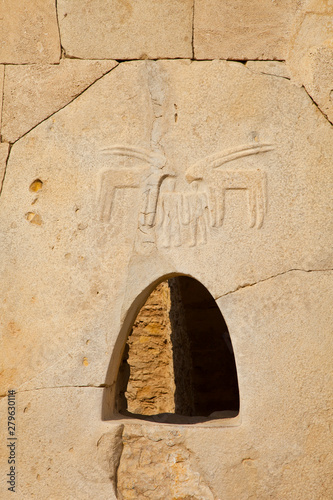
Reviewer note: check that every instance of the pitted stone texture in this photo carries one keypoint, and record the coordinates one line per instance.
(155, 463)
(234, 29)
(34, 92)
(117, 29)
(151, 385)
(29, 32)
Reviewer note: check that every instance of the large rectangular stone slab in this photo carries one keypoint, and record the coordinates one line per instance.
(33, 92)
(116, 29)
(29, 32)
(236, 29)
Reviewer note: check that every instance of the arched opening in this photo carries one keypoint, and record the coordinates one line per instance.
(178, 360)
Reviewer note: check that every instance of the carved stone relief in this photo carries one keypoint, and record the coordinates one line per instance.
(198, 208)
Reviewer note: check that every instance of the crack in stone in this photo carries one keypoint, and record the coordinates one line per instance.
(57, 18)
(5, 169)
(72, 100)
(101, 386)
(2, 99)
(247, 285)
(317, 106)
(193, 11)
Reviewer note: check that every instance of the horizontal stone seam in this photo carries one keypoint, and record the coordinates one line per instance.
(193, 59)
(241, 287)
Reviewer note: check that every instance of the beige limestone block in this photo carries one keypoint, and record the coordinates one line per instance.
(120, 29)
(311, 54)
(34, 92)
(234, 29)
(29, 32)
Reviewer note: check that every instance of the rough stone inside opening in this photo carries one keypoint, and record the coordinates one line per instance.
(178, 358)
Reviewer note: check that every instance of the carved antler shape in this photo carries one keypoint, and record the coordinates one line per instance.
(218, 159)
(155, 159)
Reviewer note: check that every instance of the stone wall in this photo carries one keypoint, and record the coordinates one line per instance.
(149, 386)
(140, 141)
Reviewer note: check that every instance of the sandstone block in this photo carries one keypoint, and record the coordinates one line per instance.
(242, 30)
(34, 92)
(119, 29)
(29, 32)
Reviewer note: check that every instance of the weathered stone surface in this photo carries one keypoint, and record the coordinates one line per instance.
(242, 30)
(155, 463)
(311, 53)
(48, 425)
(29, 32)
(150, 388)
(162, 168)
(34, 92)
(119, 29)
(78, 153)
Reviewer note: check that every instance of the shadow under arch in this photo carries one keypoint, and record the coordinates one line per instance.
(213, 376)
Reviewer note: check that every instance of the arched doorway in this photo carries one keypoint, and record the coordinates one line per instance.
(178, 360)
